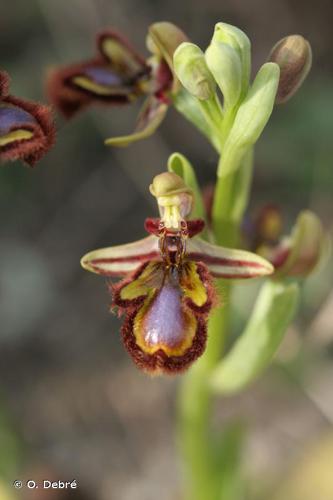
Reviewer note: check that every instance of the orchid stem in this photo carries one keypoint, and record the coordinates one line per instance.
(195, 409)
(197, 440)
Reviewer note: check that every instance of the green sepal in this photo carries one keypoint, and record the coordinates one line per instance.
(253, 351)
(178, 164)
(251, 118)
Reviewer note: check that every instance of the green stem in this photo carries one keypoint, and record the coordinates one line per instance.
(195, 408)
(230, 202)
(197, 440)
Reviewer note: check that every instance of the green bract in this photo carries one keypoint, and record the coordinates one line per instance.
(251, 118)
(252, 353)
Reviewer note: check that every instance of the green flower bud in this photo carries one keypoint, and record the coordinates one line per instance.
(191, 69)
(294, 56)
(225, 64)
(236, 39)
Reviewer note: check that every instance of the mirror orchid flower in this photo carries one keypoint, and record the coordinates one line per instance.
(295, 255)
(27, 130)
(118, 75)
(167, 291)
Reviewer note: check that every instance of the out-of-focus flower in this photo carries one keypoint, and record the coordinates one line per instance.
(295, 255)
(167, 292)
(293, 54)
(27, 129)
(119, 75)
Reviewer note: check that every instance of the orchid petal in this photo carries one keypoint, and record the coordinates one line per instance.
(227, 263)
(150, 117)
(121, 260)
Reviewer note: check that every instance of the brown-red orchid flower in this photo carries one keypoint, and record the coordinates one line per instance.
(167, 290)
(295, 255)
(118, 75)
(27, 130)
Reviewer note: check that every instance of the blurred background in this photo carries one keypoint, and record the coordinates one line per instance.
(72, 404)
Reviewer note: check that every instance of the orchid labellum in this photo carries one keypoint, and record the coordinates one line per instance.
(27, 130)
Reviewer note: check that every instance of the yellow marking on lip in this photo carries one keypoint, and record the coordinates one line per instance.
(16, 135)
(150, 279)
(192, 285)
(98, 89)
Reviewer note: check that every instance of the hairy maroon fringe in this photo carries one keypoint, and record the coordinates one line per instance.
(44, 133)
(66, 100)
(159, 362)
(4, 84)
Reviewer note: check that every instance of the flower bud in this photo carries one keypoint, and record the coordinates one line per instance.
(294, 56)
(237, 40)
(225, 64)
(174, 198)
(191, 69)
